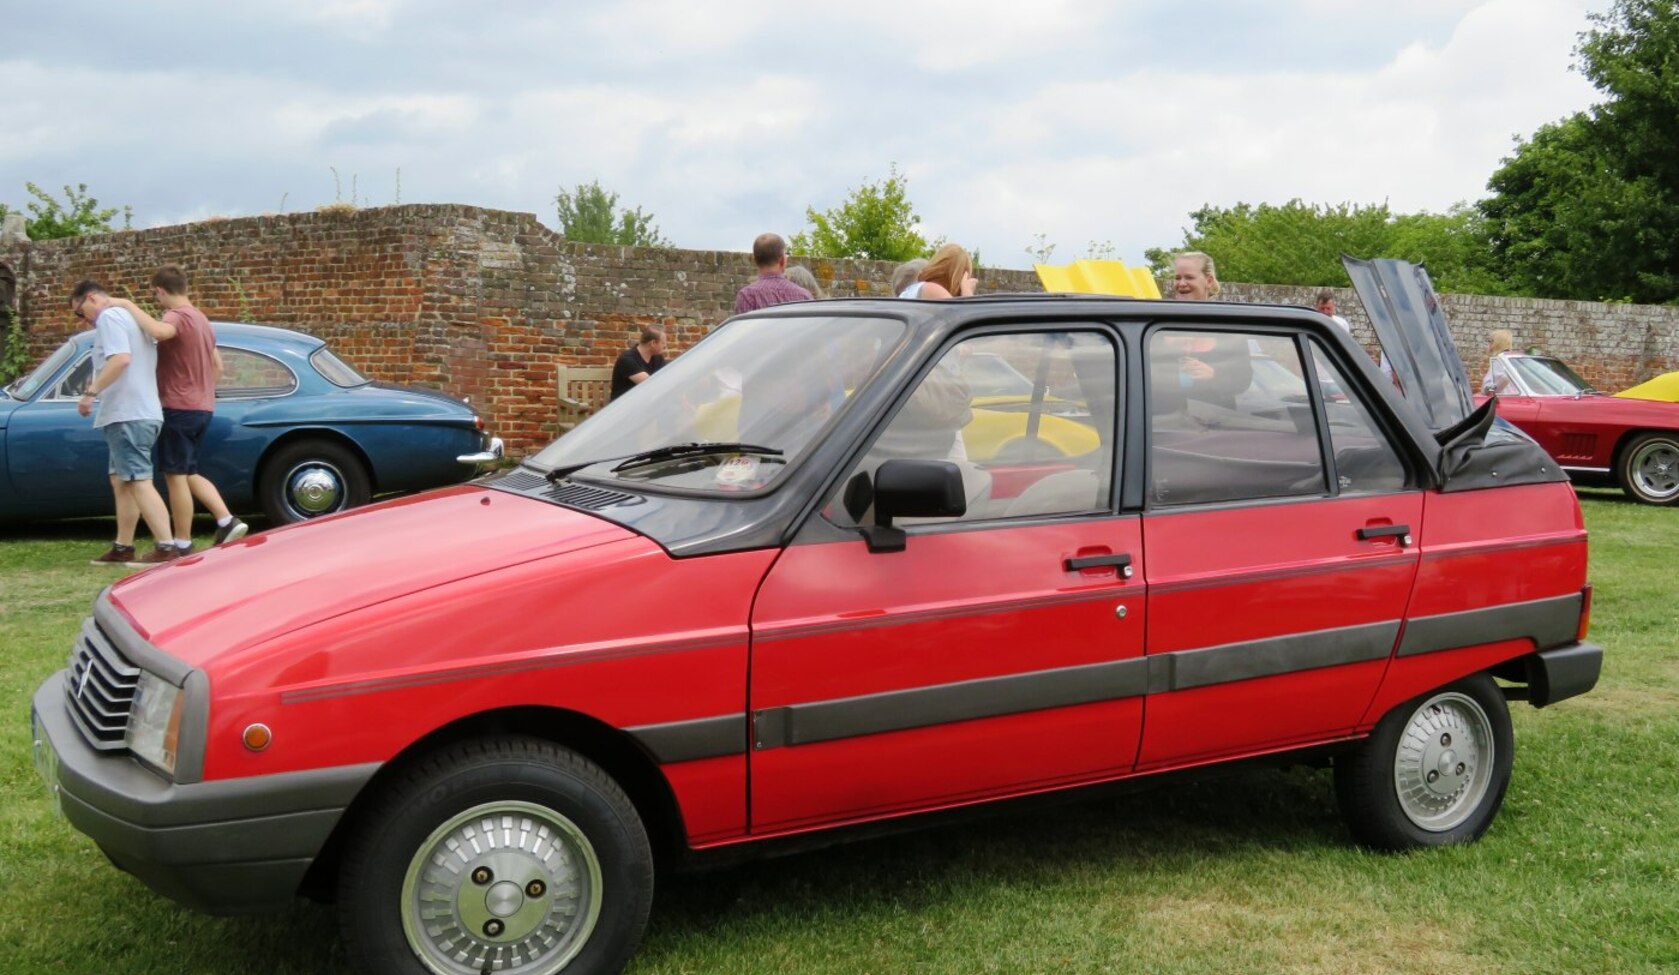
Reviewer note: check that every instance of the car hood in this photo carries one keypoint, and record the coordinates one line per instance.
(1405, 311)
(235, 596)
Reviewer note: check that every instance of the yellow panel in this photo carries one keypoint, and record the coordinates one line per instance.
(1098, 278)
(1664, 387)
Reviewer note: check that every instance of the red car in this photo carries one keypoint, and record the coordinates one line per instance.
(766, 594)
(1596, 438)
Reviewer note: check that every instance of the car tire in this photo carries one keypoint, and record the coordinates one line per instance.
(563, 881)
(1648, 468)
(1434, 771)
(306, 479)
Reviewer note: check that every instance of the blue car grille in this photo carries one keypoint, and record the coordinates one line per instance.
(100, 688)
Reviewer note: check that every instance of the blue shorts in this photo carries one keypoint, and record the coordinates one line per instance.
(177, 445)
(130, 442)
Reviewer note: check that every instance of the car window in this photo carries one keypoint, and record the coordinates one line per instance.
(26, 387)
(1230, 419)
(74, 383)
(1046, 448)
(1365, 461)
(336, 370)
(247, 374)
(1549, 377)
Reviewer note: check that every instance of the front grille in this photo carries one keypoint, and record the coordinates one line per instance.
(100, 688)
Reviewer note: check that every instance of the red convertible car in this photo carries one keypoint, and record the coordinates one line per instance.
(1596, 438)
(486, 720)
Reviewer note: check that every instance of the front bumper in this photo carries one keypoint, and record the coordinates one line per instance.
(234, 846)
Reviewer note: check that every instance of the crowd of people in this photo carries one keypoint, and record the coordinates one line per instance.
(153, 388)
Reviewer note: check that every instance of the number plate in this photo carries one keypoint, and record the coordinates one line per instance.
(46, 760)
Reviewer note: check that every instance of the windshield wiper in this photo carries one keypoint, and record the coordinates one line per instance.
(692, 449)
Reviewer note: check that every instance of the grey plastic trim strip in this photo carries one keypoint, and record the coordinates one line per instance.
(765, 635)
(687, 741)
(871, 714)
(1547, 622)
(1185, 669)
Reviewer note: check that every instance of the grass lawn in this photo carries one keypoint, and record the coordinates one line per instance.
(1252, 872)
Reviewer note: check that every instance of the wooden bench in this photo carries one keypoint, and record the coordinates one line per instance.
(581, 391)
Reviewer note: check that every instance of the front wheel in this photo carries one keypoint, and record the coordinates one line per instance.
(1434, 771)
(506, 854)
(1649, 468)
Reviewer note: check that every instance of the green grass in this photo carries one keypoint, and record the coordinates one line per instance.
(1252, 872)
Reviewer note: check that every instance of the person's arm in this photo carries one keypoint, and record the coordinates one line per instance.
(159, 331)
(113, 370)
(216, 367)
(640, 377)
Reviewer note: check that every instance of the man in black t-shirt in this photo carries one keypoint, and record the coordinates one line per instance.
(639, 362)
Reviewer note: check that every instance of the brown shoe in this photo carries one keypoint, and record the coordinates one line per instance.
(157, 556)
(118, 555)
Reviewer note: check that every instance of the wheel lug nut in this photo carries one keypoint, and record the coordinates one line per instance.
(493, 927)
(1460, 768)
(536, 888)
(482, 876)
(1433, 776)
(1446, 740)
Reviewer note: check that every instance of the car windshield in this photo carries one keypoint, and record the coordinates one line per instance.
(742, 405)
(1548, 377)
(26, 387)
(336, 370)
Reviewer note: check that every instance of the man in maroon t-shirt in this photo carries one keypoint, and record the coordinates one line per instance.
(188, 365)
(771, 286)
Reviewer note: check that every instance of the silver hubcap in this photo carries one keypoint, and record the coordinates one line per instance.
(315, 488)
(1444, 762)
(505, 887)
(1655, 468)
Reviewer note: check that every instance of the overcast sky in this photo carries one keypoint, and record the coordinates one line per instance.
(1082, 121)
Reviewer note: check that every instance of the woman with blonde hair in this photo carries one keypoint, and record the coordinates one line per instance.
(1499, 341)
(1194, 276)
(801, 276)
(948, 274)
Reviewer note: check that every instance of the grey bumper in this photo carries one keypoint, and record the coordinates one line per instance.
(234, 846)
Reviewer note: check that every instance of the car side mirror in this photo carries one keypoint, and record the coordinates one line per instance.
(912, 489)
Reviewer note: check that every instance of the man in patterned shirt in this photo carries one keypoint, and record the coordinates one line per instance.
(769, 252)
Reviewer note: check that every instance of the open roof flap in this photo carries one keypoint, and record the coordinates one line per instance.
(1406, 313)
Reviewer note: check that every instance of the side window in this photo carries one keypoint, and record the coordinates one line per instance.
(251, 374)
(74, 383)
(1028, 420)
(1365, 461)
(1230, 419)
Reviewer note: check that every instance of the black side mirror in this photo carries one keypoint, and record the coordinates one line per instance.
(912, 489)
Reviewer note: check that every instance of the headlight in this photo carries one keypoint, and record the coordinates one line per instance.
(154, 722)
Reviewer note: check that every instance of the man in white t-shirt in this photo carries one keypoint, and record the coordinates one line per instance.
(124, 385)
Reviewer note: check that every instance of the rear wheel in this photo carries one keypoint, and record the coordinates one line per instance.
(1433, 773)
(506, 854)
(1649, 468)
(309, 478)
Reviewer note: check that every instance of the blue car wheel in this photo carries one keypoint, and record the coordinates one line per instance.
(310, 478)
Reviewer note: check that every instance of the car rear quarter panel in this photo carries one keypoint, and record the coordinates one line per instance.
(1483, 549)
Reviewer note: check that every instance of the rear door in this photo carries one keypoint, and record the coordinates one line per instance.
(1280, 528)
(999, 652)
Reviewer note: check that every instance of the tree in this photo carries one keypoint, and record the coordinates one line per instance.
(1299, 243)
(591, 215)
(1588, 207)
(877, 222)
(75, 215)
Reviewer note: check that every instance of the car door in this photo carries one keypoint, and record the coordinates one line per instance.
(999, 652)
(1280, 548)
(58, 462)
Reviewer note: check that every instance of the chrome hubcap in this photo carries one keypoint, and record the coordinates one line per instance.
(315, 488)
(1656, 469)
(505, 887)
(1444, 762)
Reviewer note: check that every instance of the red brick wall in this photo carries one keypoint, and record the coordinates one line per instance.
(486, 303)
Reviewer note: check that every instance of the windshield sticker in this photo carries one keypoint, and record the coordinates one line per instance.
(736, 472)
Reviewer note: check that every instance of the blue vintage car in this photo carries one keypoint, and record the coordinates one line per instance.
(298, 433)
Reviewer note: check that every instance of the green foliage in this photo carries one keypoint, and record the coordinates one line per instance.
(1299, 243)
(14, 350)
(1588, 207)
(591, 215)
(876, 222)
(77, 214)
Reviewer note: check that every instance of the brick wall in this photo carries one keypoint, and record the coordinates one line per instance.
(485, 303)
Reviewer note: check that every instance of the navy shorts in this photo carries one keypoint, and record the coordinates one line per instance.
(177, 445)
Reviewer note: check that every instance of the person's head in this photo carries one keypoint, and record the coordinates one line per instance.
(906, 274)
(769, 252)
(947, 268)
(1193, 276)
(1499, 340)
(801, 276)
(653, 339)
(170, 280)
(88, 299)
(1326, 302)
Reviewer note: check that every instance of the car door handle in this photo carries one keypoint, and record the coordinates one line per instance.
(1401, 532)
(1121, 561)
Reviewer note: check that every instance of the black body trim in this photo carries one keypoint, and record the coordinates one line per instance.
(1185, 669)
(1563, 672)
(687, 741)
(1547, 622)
